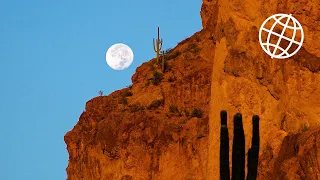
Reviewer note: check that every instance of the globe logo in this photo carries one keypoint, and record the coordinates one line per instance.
(281, 36)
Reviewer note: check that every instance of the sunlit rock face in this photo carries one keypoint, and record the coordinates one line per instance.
(284, 92)
(161, 132)
(153, 134)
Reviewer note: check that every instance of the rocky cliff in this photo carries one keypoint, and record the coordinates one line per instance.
(166, 126)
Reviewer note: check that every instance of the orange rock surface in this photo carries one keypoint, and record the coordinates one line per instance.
(156, 133)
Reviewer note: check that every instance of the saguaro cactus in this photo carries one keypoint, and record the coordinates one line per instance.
(224, 148)
(238, 149)
(157, 46)
(163, 61)
(253, 153)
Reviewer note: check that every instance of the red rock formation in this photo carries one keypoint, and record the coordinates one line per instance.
(285, 93)
(152, 134)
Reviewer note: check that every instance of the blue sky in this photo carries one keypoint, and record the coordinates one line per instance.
(52, 61)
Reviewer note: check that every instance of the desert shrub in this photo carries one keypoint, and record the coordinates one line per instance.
(100, 93)
(186, 112)
(170, 54)
(157, 77)
(196, 113)
(166, 52)
(193, 48)
(170, 79)
(155, 104)
(187, 56)
(127, 93)
(153, 65)
(198, 38)
(173, 55)
(304, 127)
(173, 109)
(123, 100)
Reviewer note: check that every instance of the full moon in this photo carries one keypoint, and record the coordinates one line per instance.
(119, 56)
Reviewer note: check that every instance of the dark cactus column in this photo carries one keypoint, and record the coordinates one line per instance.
(224, 148)
(238, 149)
(253, 153)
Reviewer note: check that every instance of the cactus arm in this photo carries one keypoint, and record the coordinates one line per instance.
(154, 45)
(238, 149)
(224, 148)
(163, 59)
(160, 44)
(253, 152)
(255, 131)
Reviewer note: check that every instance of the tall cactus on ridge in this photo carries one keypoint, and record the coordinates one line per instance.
(163, 60)
(238, 149)
(157, 46)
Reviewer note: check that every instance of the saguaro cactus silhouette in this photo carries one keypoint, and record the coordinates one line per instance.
(238, 149)
(253, 152)
(224, 147)
(157, 46)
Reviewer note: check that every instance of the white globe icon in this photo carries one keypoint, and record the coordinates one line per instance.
(290, 35)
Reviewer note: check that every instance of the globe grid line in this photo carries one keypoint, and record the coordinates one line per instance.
(282, 33)
(290, 27)
(293, 36)
(294, 33)
(296, 26)
(279, 35)
(273, 45)
(269, 35)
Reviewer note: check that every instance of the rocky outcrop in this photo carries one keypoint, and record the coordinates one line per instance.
(167, 126)
(285, 93)
(150, 130)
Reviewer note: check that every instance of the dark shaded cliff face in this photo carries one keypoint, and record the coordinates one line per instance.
(170, 129)
(297, 158)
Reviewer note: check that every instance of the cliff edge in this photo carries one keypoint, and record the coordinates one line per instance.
(166, 125)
